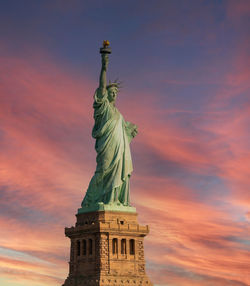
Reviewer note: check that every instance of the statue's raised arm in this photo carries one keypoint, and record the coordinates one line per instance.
(103, 77)
(105, 51)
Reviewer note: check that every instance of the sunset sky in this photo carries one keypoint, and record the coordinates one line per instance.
(185, 68)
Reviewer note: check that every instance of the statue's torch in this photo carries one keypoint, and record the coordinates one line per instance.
(105, 48)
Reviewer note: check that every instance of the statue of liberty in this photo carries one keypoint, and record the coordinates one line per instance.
(109, 187)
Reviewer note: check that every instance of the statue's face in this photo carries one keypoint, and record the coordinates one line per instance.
(112, 93)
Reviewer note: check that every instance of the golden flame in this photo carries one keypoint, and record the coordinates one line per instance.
(105, 43)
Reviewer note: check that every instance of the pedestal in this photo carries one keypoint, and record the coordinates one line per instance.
(107, 249)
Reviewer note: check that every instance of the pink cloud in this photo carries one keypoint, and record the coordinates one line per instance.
(38, 107)
(238, 9)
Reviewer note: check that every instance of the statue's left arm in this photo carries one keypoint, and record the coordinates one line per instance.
(131, 130)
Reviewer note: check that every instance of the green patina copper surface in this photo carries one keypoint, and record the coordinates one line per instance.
(109, 187)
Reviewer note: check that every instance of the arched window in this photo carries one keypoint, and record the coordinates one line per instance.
(90, 246)
(132, 246)
(84, 247)
(78, 245)
(123, 246)
(114, 246)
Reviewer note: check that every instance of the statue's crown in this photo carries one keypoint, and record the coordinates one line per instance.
(116, 84)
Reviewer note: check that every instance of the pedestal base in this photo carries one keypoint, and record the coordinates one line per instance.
(107, 281)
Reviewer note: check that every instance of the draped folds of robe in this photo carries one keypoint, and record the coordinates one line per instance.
(110, 183)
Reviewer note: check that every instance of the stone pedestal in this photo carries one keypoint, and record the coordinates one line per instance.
(107, 249)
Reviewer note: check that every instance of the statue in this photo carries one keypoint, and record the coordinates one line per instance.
(109, 187)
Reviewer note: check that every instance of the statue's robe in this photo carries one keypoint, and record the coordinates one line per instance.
(110, 183)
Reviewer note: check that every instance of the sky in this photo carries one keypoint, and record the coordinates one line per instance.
(185, 68)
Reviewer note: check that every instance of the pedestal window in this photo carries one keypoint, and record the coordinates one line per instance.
(132, 247)
(115, 246)
(123, 246)
(84, 247)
